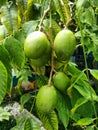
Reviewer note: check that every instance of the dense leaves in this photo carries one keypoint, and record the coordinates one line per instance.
(49, 120)
(77, 106)
(63, 110)
(5, 58)
(3, 81)
(16, 52)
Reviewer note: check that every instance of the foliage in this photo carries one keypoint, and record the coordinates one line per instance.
(8, 124)
(4, 114)
(26, 122)
(18, 19)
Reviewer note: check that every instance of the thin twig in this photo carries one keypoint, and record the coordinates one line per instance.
(52, 53)
(41, 21)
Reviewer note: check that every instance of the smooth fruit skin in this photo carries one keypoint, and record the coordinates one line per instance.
(64, 44)
(46, 99)
(39, 62)
(61, 81)
(35, 44)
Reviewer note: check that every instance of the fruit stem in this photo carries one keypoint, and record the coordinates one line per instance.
(41, 21)
(52, 53)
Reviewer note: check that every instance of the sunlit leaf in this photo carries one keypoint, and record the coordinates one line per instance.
(3, 81)
(84, 122)
(82, 3)
(94, 73)
(4, 115)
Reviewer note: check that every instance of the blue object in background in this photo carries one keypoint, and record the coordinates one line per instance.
(15, 79)
(32, 78)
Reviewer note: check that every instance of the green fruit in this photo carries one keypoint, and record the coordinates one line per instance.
(35, 45)
(43, 59)
(64, 45)
(39, 62)
(61, 81)
(46, 99)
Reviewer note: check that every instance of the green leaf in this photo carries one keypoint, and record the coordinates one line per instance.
(41, 80)
(3, 81)
(5, 18)
(24, 99)
(32, 10)
(72, 69)
(2, 2)
(29, 27)
(9, 17)
(45, 4)
(5, 58)
(79, 3)
(82, 3)
(35, 125)
(88, 17)
(80, 83)
(94, 73)
(19, 35)
(85, 90)
(15, 49)
(84, 122)
(28, 125)
(27, 121)
(14, 16)
(63, 10)
(82, 109)
(55, 27)
(79, 103)
(17, 127)
(90, 127)
(49, 120)
(31, 124)
(4, 115)
(63, 111)
(94, 3)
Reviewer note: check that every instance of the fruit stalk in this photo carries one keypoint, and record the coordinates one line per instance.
(52, 53)
(41, 21)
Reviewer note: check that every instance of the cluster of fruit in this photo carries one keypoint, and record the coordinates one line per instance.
(38, 48)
